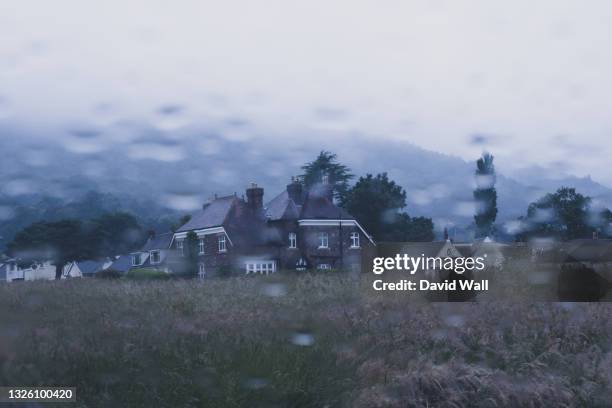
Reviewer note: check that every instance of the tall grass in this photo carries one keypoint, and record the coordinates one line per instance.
(308, 341)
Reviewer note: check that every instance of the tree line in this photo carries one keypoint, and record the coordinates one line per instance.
(376, 201)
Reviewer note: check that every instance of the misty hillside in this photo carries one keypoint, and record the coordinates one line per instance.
(149, 173)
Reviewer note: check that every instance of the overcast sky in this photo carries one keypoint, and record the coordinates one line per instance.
(530, 81)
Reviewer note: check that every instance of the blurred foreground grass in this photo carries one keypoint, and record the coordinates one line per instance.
(308, 341)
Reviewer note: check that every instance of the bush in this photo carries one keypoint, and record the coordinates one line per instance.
(109, 274)
(146, 274)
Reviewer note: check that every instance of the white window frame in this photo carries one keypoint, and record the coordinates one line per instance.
(355, 240)
(201, 270)
(323, 267)
(180, 246)
(263, 267)
(136, 256)
(323, 240)
(158, 253)
(201, 246)
(292, 240)
(222, 244)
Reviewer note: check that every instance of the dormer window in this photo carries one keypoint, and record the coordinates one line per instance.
(136, 260)
(201, 246)
(155, 257)
(354, 240)
(292, 240)
(323, 240)
(179, 247)
(222, 244)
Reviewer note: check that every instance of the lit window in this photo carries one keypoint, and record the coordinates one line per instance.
(261, 267)
(222, 246)
(323, 240)
(201, 246)
(179, 246)
(201, 270)
(354, 240)
(323, 266)
(155, 257)
(292, 240)
(136, 260)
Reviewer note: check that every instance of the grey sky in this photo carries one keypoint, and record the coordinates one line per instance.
(528, 80)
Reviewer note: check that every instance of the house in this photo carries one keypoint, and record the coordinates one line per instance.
(156, 254)
(11, 270)
(581, 269)
(295, 230)
(491, 252)
(72, 270)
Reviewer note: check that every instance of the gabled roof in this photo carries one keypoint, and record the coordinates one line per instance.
(213, 214)
(320, 207)
(159, 241)
(90, 266)
(315, 206)
(282, 208)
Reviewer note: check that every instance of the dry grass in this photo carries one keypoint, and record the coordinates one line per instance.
(315, 341)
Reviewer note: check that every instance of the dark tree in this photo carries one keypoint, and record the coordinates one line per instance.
(562, 215)
(60, 242)
(114, 234)
(485, 196)
(376, 203)
(182, 221)
(191, 253)
(326, 164)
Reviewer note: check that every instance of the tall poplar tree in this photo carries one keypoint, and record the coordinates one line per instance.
(485, 196)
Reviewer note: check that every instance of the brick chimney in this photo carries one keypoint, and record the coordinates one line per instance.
(255, 197)
(294, 189)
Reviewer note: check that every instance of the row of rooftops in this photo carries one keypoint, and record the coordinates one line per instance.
(292, 204)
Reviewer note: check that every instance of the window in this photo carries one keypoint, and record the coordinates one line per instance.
(136, 260)
(155, 257)
(201, 246)
(201, 270)
(354, 240)
(323, 240)
(179, 246)
(292, 240)
(323, 266)
(301, 264)
(261, 267)
(222, 246)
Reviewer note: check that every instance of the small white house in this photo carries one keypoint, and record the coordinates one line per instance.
(72, 270)
(11, 271)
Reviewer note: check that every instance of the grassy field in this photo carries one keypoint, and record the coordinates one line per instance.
(309, 341)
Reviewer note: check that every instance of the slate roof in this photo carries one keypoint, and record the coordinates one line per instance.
(282, 208)
(122, 264)
(159, 241)
(90, 267)
(315, 207)
(213, 214)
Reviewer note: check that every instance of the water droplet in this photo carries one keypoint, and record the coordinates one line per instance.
(302, 339)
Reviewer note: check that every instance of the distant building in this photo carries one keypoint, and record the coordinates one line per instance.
(296, 230)
(11, 270)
